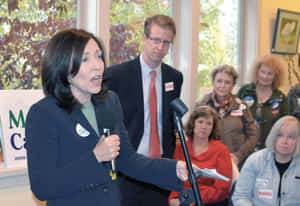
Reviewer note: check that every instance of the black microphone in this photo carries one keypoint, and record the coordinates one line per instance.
(106, 132)
(107, 122)
(179, 109)
(178, 106)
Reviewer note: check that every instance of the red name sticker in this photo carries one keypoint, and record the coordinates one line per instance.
(265, 193)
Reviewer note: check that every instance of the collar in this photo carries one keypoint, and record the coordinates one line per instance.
(250, 89)
(146, 69)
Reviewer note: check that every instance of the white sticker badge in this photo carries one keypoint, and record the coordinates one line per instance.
(81, 131)
(265, 193)
(169, 86)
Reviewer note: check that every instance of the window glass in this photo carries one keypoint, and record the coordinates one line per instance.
(127, 26)
(25, 27)
(218, 38)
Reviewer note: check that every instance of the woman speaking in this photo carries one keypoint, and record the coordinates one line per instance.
(69, 160)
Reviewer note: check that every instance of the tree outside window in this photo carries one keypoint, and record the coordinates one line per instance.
(127, 26)
(218, 38)
(25, 28)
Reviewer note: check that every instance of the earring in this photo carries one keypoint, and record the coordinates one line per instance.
(70, 80)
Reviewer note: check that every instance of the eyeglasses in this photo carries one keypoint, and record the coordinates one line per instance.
(158, 41)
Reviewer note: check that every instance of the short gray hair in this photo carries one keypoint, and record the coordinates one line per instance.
(274, 133)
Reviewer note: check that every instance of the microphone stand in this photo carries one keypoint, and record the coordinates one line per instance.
(180, 109)
(192, 176)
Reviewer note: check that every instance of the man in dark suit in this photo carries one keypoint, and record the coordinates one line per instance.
(132, 82)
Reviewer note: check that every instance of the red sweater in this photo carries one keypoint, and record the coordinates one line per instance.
(216, 157)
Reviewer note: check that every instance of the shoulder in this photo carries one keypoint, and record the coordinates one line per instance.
(260, 156)
(296, 160)
(120, 69)
(278, 95)
(171, 74)
(295, 90)
(45, 108)
(178, 151)
(278, 92)
(111, 98)
(171, 69)
(205, 99)
(247, 88)
(110, 103)
(44, 104)
(125, 64)
(238, 103)
(219, 146)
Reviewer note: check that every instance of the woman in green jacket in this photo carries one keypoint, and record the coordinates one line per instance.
(267, 103)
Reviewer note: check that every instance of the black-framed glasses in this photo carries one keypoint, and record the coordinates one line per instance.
(158, 41)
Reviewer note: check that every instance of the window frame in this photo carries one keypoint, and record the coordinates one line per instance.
(94, 16)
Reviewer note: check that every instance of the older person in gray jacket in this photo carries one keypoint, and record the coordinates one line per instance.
(271, 177)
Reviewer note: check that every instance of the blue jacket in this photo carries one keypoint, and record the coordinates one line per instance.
(258, 182)
(62, 167)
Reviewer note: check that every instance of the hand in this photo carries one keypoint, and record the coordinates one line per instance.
(174, 202)
(181, 171)
(107, 148)
(234, 159)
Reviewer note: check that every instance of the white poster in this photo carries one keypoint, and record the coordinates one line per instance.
(14, 106)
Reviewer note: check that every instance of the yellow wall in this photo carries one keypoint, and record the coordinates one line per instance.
(267, 16)
(268, 12)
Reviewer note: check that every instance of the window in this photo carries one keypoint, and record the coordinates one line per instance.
(218, 38)
(127, 26)
(25, 27)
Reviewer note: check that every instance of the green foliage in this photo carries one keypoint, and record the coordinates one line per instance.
(25, 28)
(127, 26)
(215, 46)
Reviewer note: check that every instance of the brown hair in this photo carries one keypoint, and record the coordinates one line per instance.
(226, 69)
(271, 62)
(162, 21)
(203, 111)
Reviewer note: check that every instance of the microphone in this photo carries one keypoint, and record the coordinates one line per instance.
(179, 109)
(113, 163)
(178, 106)
(107, 122)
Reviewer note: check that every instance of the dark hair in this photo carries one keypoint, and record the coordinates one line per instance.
(203, 111)
(162, 21)
(62, 58)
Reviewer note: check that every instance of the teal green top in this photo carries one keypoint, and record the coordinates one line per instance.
(274, 108)
(89, 112)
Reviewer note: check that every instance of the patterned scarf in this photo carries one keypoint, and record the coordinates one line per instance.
(221, 107)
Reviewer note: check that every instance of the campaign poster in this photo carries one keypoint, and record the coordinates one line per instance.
(14, 106)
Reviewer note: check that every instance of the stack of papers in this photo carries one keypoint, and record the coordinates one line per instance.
(212, 173)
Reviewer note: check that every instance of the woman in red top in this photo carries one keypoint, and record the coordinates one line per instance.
(206, 151)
